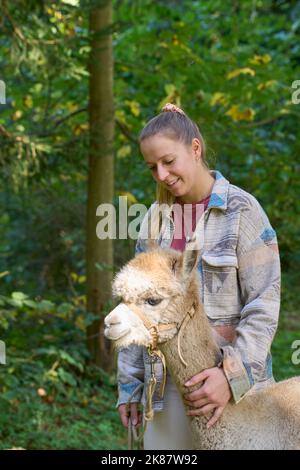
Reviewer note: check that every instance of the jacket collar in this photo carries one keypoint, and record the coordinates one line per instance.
(219, 194)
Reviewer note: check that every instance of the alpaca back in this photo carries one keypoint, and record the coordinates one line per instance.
(267, 419)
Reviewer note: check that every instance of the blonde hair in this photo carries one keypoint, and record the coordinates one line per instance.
(172, 122)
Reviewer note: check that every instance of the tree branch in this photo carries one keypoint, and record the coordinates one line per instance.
(261, 123)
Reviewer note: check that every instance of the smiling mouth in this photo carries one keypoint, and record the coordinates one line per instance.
(173, 182)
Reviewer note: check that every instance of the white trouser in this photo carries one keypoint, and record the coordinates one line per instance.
(169, 428)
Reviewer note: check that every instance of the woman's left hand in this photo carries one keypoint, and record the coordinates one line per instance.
(212, 396)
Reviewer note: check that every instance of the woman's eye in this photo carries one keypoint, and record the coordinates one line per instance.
(153, 302)
(169, 163)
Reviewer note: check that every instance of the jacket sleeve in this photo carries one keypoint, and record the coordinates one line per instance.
(245, 361)
(130, 374)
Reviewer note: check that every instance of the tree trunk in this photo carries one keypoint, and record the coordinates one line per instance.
(101, 177)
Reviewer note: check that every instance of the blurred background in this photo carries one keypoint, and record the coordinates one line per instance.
(81, 80)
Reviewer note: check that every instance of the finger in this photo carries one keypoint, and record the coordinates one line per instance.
(197, 378)
(216, 415)
(134, 414)
(202, 411)
(123, 415)
(199, 394)
(197, 403)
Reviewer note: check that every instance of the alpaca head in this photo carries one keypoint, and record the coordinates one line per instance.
(162, 285)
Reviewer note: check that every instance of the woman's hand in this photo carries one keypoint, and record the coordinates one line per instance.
(134, 413)
(212, 396)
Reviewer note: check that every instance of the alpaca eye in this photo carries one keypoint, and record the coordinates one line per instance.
(153, 302)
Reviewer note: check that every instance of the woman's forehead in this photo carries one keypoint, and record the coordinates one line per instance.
(159, 147)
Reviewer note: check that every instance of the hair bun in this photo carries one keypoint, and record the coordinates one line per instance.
(172, 108)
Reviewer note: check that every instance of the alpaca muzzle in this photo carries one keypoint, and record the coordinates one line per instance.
(115, 326)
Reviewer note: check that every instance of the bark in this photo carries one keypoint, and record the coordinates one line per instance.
(101, 177)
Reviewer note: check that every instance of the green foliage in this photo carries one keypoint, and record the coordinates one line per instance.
(230, 66)
(57, 400)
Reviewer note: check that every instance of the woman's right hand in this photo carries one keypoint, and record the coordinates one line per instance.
(136, 415)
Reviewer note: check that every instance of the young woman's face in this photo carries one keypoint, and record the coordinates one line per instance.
(172, 163)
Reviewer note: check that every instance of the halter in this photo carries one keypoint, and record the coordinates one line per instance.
(153, 351)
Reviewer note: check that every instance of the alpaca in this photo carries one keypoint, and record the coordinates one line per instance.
(159, 287)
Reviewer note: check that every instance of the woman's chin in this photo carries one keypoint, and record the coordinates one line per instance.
(175, 188)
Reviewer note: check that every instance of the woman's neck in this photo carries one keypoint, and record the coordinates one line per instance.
(201, 190)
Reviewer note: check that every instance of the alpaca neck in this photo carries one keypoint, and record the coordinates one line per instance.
(198, 348)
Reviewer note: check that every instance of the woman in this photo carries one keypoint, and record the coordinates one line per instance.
(239, 279)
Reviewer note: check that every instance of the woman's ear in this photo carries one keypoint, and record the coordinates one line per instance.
(197, 149)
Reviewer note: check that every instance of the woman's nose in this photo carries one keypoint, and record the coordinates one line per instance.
(162, 173)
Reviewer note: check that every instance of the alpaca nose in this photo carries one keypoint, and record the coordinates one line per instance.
(113, 318)
(111, 321)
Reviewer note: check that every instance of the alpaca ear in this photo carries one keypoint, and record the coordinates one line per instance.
(189, 261)
(176, 264)
(151, 244)
(190, 255)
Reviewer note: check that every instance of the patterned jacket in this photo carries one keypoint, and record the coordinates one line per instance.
(239, 286)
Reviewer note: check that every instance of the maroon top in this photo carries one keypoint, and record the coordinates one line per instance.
(185, 217)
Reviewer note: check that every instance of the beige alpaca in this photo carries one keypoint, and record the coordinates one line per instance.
(265, 419)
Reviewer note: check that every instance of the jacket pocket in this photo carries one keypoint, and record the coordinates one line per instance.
(221, 287)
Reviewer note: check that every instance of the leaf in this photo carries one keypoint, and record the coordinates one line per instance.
(121, 116)
(172, 96)
(243, 71)
(268, 84)
(74, 277)
(15, 303)
(43, 147)
(80, 322)
(28, 102)
(134, 107)
(65, 308)
(66, 377)
(79, 300)
(19, 296)
(48, 351)
(17, 115)
(30, 303)
(238, 115)
(70, 360)
(219, 98)
(124, 151)
(170, 88)
(46, 305)
(4, 273)
(260, 59)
